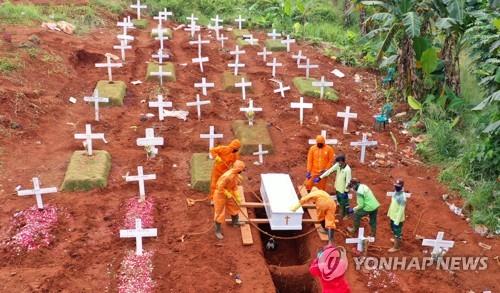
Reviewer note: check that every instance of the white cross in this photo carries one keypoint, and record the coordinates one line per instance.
(363, 143)
(287, 42)
(239, 20)
(360, 240)
(237, 52)
(307, 66)
(138, 6)
(160, 104)
(327, 141)
(236, 66)
(160, 73)
(217, 27)
(274, 65)
(126, 24)
(160, 36)
(109, 65)
(138, 233)
(211, 136)
(261, 154)
(222, 39)
(37, 192)
(96, 100)
(160, 55)
(192, 18)
(200, 60)
(299, 57)
(88, 136)
(199, 42)
(322, 84)
(122, 47)
(301, 106)
(163, 16)
(281, 89)
(204, 85)
(251, 40)
(150, 141)
(243, 85)
(392, 194)
(141, 178)
(125, 37)
(347, 115)
(192, 29)
(273, 34)
(198, 105)
(250, 109)
(264, 54)
(438, 245)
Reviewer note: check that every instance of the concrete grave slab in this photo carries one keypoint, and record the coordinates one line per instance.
(229, 80)
(140, 23)
(305, 87)
(87, 172)
(275, 45)
(251, 136)
(166, 33)
(167, 67)
(201, 171)
(115, 91)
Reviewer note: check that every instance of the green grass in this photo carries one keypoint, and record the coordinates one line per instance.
(275, 45)
(86, 173)
(115, 92)
(10, 64)
(252, 136)
(201, 169)
(305, 87)
(20, 13)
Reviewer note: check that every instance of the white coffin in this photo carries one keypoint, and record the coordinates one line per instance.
(279, 196)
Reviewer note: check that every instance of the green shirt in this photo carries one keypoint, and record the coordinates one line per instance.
(342, 178)
(365, 199)
(397, 209)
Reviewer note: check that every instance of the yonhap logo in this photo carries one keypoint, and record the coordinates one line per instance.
(452, 263)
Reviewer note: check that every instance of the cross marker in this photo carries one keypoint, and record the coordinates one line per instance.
(301, 106)
(250, 109)
(37, 192)
(322, 84)
(347, 115)
(138, 6)
(88, 136)
(204, 85)
(138, 233)
(281, 89)
(243, 85)
(363, 144)
(198, 105)
(274, 65)
(96, 100)
(327, 141)
(160, 104)
(109, 65)
(211, 136)
(141, 178)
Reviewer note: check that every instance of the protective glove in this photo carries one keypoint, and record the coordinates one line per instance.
(218, 159)
(228, 193)
(316, 180)
(308, 175)
(350, 211)
(237, 198)
(295, 207)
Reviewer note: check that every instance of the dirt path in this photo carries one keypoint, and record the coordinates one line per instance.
(87, 251)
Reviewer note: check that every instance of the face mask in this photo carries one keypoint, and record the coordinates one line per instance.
(235, 151)
(398, 188)
(320, 145)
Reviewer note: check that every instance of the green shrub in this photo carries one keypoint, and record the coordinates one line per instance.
(441, 143)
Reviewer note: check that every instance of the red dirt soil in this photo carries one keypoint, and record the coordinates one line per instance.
(87, 251)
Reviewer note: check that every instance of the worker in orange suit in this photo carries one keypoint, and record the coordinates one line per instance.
(224, 157)
(326, 208)
(319, 159)
(227, 197)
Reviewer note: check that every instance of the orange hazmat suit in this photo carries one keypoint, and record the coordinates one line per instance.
(318, 161)
(325, 206)
(224, 157)
(226, 196)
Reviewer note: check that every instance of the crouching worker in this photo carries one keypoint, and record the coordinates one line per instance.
(326, 208)
(396, 214)
(227, 198)
(367, 204)
(330, 266)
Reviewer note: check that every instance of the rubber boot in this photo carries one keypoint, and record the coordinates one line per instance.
(235, 221)
(218, 231)
(396, 246)
(330, 236)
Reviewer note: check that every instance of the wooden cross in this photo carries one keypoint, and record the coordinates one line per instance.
(281, 89)
(198, 105)
(160, 104)
(299, 57)
(308, 67)
(109, 65)
(274, 65)
(327, 141)
(141, 178)
(138, 6)
(347, 115)
(160, 55)
(199, 42)
(211, 136)
(192, 29)
(363, 143)
(160, 73)
(392, 194)
(360, 241)
(88, 136)
(250, 109)
(273, 34)
(261, 154)
(438, 245)
(200, 60)
(126, 38)
(243, 85)
(322, 84)
(264, 53)
(236, 66)
(301, 106)
(204, 85)
(251, 40)
(138, 233)
(287, 218)
(150, 141)
(222, 39)
(217, 26)
(192, 18)
(240, 20)
(288, 42)
(126, 24)
(122, 47)
(96, 100)
(160, 36)
(237, 52)
(37, 192)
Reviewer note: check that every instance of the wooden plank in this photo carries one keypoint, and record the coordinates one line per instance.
(313, 214)
(246, 231)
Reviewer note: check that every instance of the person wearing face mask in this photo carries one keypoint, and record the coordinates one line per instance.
(396, 214)
(342, 179)
(319, 158)
(227, 197)
(224, 157)
(367, 204)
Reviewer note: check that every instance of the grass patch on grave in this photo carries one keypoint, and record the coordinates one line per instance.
(166, 33)
(237, 33)
(305, 87)
(229, 80)
(140, 23)
(275, 45)
(242, 43)
(87, 172)
(115, 91)
(167, 67)
(201, 171)
(251, 136)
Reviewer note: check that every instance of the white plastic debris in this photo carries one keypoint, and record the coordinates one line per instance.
(72, 100)
(136, 82)
(357, 78)
(182, 115)
(338, 73)
(179, 27)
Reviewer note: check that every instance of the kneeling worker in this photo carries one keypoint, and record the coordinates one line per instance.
(227, 198)
(367, 204)
(326, 208)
